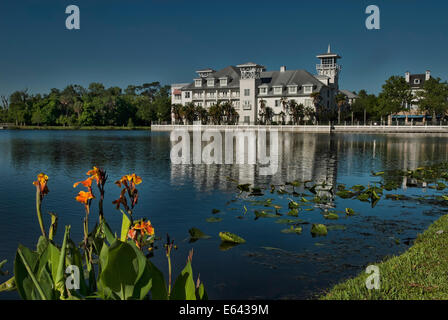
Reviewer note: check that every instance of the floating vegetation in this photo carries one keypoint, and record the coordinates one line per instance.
(264, 214)
(215, 211)
(213, 219)
(230, 237)
(318, 229)
(331, 216)
(292, 229)
(196, 234)
(336, 227)
(349, 211)
(293, 213)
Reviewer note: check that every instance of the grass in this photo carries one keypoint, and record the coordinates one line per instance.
(77, 128)
(419, 273)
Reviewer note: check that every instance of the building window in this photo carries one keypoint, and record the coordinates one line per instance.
(199, 104)
(223, 82)
(187, 95)
(416, 81)
(247, 119)
(277, 103)
(236, 104)
(210, 82)
(307, 89)
(198, 83)
(327, 61)
(277, 90)
(177, 97)
(246, 92)
(263, 90)
(292, 90)
(308, 103)
(246, 105)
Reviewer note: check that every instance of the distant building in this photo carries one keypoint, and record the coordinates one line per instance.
(416, 82)
(351, 97)
(245, 85)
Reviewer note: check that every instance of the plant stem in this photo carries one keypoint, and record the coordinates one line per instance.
(33, 277)
(39, 213)
(169, 274)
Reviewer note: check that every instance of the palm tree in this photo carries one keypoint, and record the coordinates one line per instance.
(340, 99)
(176, 110)
(296, 111)
(262, 111)
(285, 104)
(268, 115)
(202, 114)
(189, 113)
(215, 113)
(316, 100)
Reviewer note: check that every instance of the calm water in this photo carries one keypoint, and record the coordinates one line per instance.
(175, 198)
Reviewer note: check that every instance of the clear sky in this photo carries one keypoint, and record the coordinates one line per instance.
(133, 42)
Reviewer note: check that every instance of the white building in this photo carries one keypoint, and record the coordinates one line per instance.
(416, 82)
(246, 84)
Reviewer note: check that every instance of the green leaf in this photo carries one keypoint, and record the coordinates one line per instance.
(331, 216)
(26, 281)
(125, 225)
(349, 211)
(59, 280)
(200, 293)
(158, 290)
(230, 237)
(196, 234)
(9, 285)
(3, 273)
(184, 288)
(292, 229)
(120, 269)
(319, 230)
(107, 232)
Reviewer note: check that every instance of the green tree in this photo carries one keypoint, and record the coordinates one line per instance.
(433, 99)
(394, 97)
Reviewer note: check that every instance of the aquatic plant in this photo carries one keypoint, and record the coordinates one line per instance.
(104, 265)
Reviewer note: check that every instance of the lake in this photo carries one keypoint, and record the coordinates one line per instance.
(271, 264)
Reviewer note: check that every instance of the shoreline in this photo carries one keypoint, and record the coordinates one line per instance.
(75, 128)
(416, 274)
(312, 128)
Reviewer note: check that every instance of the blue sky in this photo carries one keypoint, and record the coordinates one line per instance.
(133, 42)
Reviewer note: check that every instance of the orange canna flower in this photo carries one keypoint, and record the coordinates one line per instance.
(83, 197)
(134, 179)
(145, 227)
(86, 183)
(41, 183)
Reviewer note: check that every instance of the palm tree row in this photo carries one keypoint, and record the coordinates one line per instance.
(219, 113)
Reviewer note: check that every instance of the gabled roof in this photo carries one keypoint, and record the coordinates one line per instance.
(349, 94)
(231, 72)
(291, 78)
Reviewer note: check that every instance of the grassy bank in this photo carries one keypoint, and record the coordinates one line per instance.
(419, 273)
(77, 128)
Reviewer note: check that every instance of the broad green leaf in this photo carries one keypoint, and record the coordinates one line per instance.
(59, 280)
(184, 288)
(158, 290)
(125, 225)
(319, 230)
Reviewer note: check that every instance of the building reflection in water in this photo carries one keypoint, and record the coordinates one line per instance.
(307, 157)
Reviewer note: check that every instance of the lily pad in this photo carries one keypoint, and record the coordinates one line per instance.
(293, 213)
(293, 205)
(292, 229)
(215, 211)
(230, 237)
(264, 214)
(345, 194)
(331, 216)
(196, 234)
(213, 219)
(349, 211)
(318, 229)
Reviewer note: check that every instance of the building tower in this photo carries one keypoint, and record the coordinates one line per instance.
(328, 66)
(249, 81)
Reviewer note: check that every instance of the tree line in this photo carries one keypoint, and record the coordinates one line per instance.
(92, 106)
